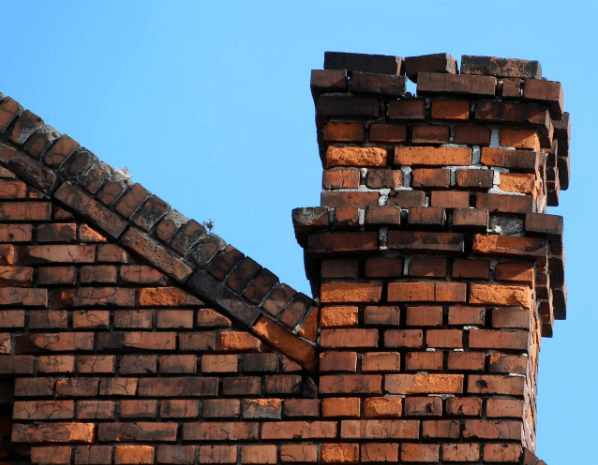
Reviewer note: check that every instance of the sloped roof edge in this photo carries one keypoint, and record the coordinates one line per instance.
(144, 224)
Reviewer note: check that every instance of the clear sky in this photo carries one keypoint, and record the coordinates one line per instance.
(208, 105)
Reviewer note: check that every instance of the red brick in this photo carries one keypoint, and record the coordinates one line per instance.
(339, 268)
(344, 132)
(219, 408)
(511, 453)
(341, 179)
(338, 361)
(427, 267)
(388, 133)
(450, 199)
(219, 363)
(100, 455)
(381, 267)
(438, 63)
(411, 292)
(429, 83)
(48, 319)
(174, 319)
(468, 218)
(39, 254)
(496, 384)
(472, 135)
(474, 179)
(464, 406)
(338, 316)
(139, 408)
(424, 316)
(95, 410)
(444, 338)
(347, 338)
(382, 84)
(138, 364)
(345, 407)
(380, 429)
(299, 430)
(417, 241)
(550, 92)
(511, 318)
(51, 455)
(176, 454)
(406, 198)
(419, 361)
(507, 408)
(422, 453)
(509, 296)
(328, 80)
(303, 453)
(346, 216)
(350, 292)
(466, 361)
(511, 87)
(493, 429)
(352, 106)
(340, 453)
(440, 429)
(178, 363)
(140, 319)
(125, 455)
(342, 242)
(424, 384)
(218, 454)
(471, 269)
(258, 454)
(111, 253)
(94, 296)
(375, 452)
(461, 452)
(246, 386)
(99, 319)
(66, 275)
(54, 432)
(98, 274)
(515, 272)
(381, 361)
(356, 157)
(430, 134)
(423, 406)
(450, 109)
(141, 274)
(56, 364)
(387, 315)
(96, 363)
(118, 386)
(56, 232)
(431, 178)
(180, 408)
(44, 410)
(432, 156)
(408, 109)
(502, 67)
(403, 338)
(351, 384)
(293, 408)
(239, 341)
(517, 159)
(178, 387)
(25, 211)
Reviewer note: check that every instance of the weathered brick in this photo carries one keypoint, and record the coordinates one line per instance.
(344, 132)
(383, 407)
(472, 134)
(118, 386)
(496, 384)
(95, 410)
(382, 84)
(424, 384)
(344, 407)
(56, 364)
(429, 134)
(440, 429)
(461, 452)
(356, 157)
(381, 361)
(178, 387)
(428, 361)
(54, 432)
(507, 408)
(179, 408)
(328, 80)
(77, 387)
(94, 297)
(388, 133)
(125, 455)
(387, 315)
(130, 408)
(339, 453)
(403, 338)
(464, 406)
(96, 455)
(494, 453)
(351, 384)
(137, 340)
(380, 429)
(409, 109)
(303, 453)
(417, 241)
(517, 159)
(221, 431)
(176, 454)
(96, 363)
(430, 83)
(338, 361)
(221, 408)
(450, 109)
(493, 429)
(376, 452)
(423, 406)
(299, 430)
(174, 318)
(218, 454)
(471, 269)
(432, 156)
(138, 364)
(494, 294)
(431, 178)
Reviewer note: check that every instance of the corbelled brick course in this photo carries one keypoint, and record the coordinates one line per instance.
(130, 335)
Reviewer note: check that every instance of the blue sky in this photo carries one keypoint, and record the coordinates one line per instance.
(208, 105)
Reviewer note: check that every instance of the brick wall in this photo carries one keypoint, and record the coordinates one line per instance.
(129, 335)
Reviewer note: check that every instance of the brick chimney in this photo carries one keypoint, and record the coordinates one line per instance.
(434, 262)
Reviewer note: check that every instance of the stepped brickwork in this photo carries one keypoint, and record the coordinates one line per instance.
(130, 335)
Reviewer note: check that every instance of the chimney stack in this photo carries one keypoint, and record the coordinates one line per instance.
(435, 264)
